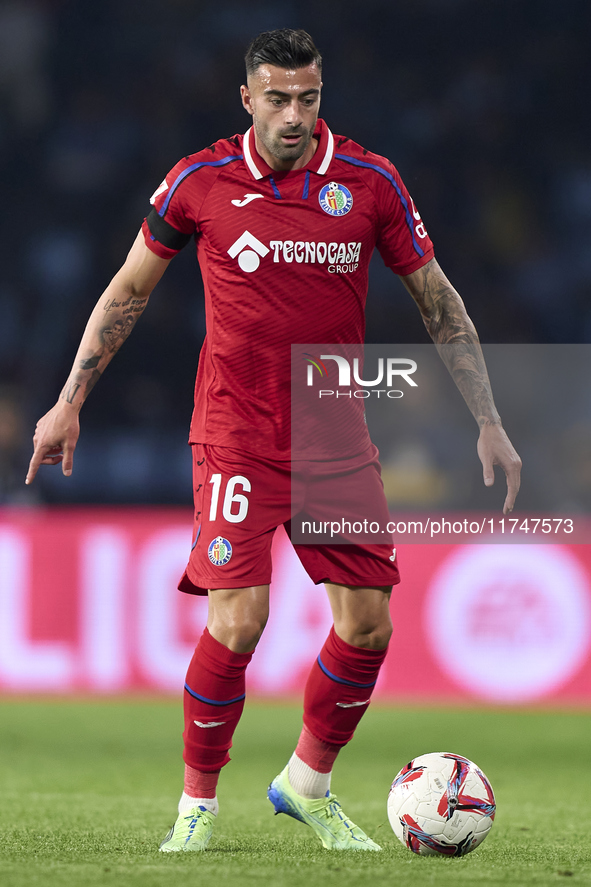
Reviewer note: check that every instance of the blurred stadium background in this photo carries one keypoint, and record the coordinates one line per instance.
(482, 107)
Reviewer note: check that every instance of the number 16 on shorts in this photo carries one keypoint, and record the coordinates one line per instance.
(234, 504)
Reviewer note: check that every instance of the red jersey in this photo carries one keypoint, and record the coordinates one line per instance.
(284, 258)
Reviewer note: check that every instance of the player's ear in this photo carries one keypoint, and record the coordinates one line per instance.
(246, 99)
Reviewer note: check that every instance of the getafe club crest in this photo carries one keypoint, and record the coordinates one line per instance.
(219, 551)
(335, 199)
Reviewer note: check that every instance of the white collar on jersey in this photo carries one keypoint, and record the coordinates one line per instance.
(248, 145)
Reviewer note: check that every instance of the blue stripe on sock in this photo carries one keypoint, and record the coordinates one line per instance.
(213, 701)
(338, 680)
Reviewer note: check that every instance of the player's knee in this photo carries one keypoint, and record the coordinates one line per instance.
(239, 635)
(380, 637)
(376, 637)
(368, 633)
(249, 632)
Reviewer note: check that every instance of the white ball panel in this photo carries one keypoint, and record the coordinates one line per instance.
(426, 799)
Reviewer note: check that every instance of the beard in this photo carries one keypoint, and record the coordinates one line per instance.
(275, 146)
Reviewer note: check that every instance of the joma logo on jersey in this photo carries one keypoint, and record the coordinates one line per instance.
(340, 258)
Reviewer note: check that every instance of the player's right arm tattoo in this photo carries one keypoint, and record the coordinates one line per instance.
(455, 336)
(109, 326)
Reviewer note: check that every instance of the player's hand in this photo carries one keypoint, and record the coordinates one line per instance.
(56, 436)
(495, 448)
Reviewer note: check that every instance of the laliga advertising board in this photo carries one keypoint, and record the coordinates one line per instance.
(88, 603)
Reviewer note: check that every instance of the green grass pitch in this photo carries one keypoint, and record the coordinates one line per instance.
(88, 790)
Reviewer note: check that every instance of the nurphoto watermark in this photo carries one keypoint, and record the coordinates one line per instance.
(384, 444)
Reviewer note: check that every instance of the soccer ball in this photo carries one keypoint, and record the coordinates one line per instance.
(441, 805)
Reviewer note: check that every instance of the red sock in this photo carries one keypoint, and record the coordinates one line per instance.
(214, 699)
(199, 784)
(339, 689)
(318, 755)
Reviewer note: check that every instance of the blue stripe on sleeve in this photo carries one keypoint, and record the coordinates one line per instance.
(187, 172)
(363, 163)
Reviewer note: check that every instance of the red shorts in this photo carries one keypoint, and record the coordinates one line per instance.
(241, 499)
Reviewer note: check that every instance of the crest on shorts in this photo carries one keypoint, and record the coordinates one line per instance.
(219, 551)
(335, 199)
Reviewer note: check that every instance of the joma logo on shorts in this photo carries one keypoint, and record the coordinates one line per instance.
(339, 258)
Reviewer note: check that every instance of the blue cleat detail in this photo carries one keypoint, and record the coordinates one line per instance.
(324, 816)
(191, 831)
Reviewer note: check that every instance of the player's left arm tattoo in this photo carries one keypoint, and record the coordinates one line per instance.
(455, 336)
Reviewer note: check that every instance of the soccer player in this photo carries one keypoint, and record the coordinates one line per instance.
(285, 219)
